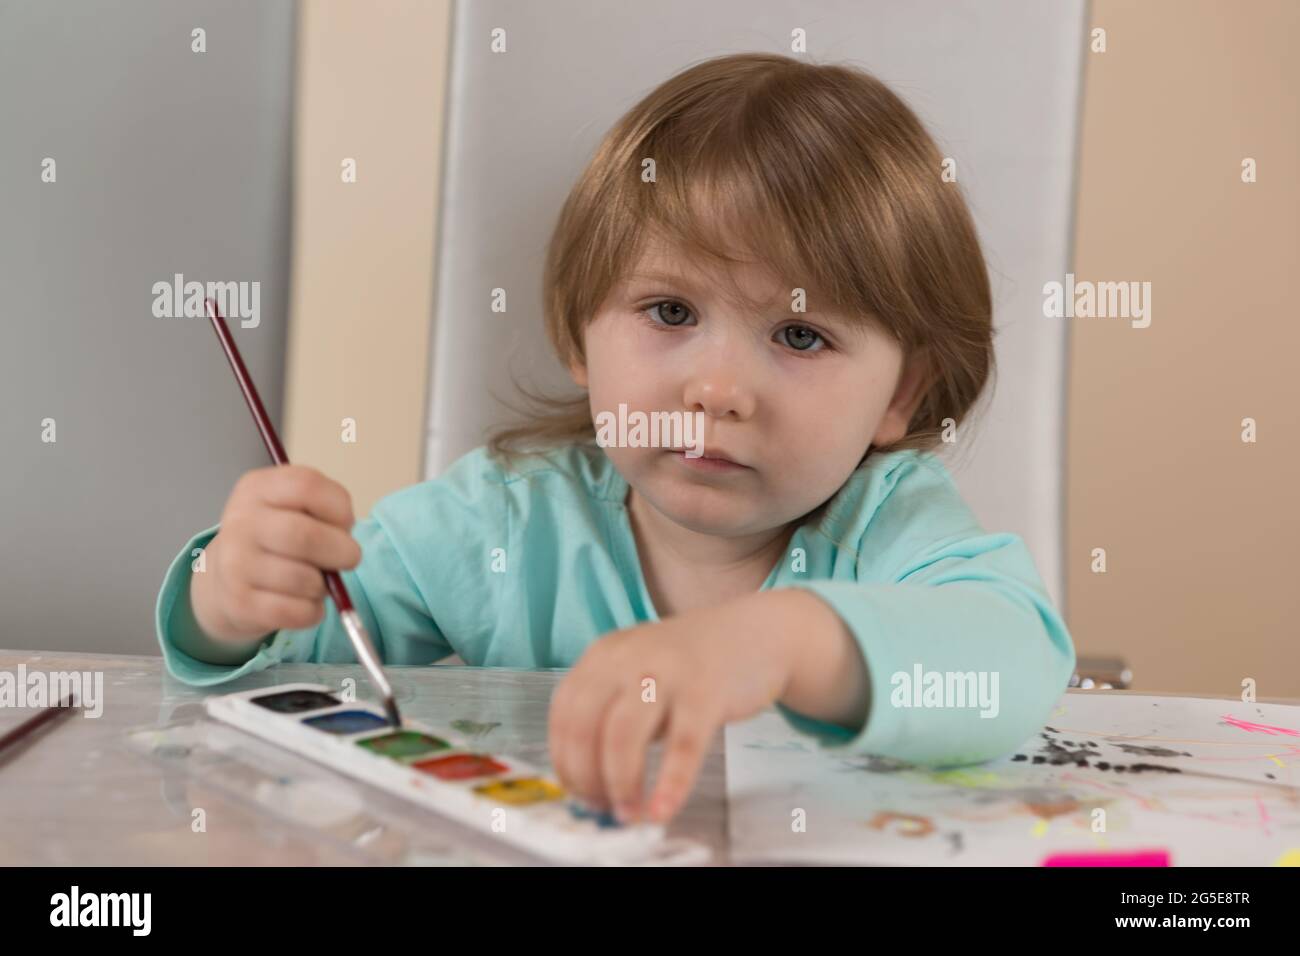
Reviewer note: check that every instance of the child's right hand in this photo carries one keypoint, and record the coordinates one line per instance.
(281, 527)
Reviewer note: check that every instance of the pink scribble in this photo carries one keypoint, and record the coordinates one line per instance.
(1259, 728)
(1263, 815)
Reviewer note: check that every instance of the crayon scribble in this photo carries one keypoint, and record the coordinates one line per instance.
(1140, 751)
(1258, 728)
(905, 824)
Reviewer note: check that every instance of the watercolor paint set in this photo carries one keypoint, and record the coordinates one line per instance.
(492, 794)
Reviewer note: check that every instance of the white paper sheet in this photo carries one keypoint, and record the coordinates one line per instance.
(1022, 809)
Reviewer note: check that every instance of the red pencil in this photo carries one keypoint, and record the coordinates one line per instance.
(33, 724)
(348, 616)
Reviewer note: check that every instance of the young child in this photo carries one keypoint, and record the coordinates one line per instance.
(769, 246)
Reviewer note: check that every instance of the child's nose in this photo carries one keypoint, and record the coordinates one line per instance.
(720, 389)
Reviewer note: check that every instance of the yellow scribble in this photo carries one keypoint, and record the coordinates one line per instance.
(967, 778)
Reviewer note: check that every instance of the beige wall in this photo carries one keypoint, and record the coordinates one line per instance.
(371, 81)
(1200, 529)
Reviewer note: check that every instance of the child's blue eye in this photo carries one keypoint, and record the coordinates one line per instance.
(803, 342)
(803, 338)
(679, 316)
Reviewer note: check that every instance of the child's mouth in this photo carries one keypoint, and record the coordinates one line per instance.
(707, 463)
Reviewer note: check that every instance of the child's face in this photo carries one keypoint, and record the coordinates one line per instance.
(794, 398)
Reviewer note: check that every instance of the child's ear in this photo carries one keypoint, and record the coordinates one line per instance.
(911, 388)
(578, 372)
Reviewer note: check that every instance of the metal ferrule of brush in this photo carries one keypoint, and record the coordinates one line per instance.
(361, 643)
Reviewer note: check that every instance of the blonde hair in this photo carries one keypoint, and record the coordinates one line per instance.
(822, 174)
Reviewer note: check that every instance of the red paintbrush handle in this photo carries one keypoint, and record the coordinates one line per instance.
(333, 581)
(269, 438)
(334, 584)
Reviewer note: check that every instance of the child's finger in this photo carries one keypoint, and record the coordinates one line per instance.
(272, 612)
(577, 714)
(294, 535)
(270, 572)
(690, 728)
(630, 725)
(301, 487)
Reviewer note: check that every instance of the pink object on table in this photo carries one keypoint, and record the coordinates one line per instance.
(1109, 858)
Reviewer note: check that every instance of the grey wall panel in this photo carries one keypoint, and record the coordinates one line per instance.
(168, 161)
(997, 83)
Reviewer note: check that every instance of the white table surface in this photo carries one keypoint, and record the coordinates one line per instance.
(79, 794)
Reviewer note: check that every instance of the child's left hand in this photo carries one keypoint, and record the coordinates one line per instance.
(681, 678)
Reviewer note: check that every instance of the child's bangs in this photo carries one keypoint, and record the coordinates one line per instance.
(742, 199)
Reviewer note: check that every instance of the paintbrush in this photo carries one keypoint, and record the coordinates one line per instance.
(348, 615)
(32, 724)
